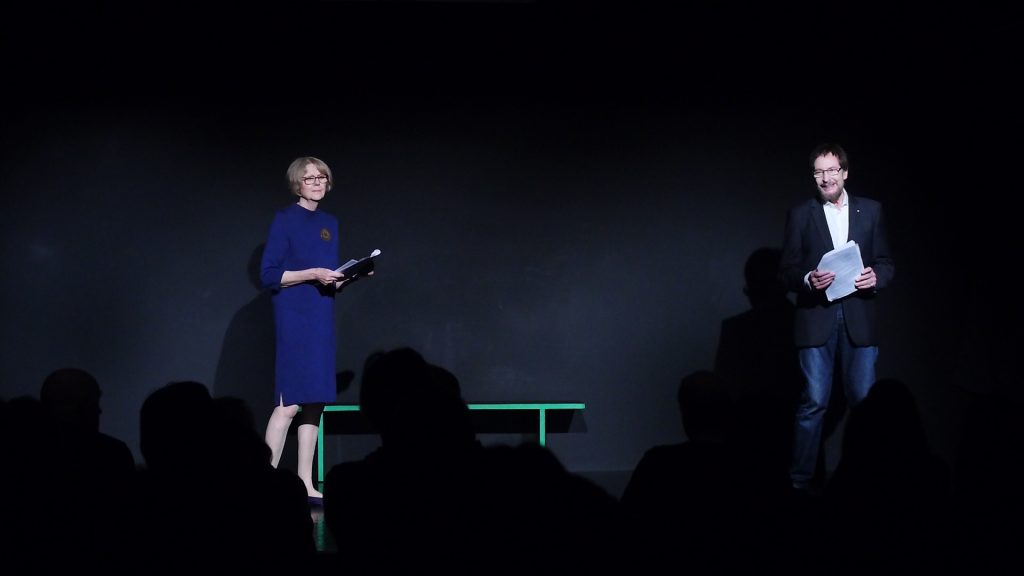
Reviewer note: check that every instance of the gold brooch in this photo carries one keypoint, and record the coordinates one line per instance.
(325, 234)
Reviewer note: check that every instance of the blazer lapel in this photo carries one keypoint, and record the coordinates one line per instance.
(821, 224)
(856, 233)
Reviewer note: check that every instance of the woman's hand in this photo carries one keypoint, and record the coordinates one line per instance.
(325, 276)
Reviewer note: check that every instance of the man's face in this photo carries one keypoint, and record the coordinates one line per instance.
(829, 177)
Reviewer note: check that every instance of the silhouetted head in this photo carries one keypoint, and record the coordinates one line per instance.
(71, 397)
(388, 379)
(705, 406)
(408, 400)
(174, 426)
(885, 425)
(26, 448)
(23, 416)
(445, 384)
(237, 441)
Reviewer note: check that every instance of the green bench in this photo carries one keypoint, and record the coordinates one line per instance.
(500, 417)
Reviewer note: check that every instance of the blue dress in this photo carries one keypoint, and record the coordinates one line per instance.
(303, 313)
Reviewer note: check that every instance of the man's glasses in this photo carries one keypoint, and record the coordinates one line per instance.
(832, 172)
(311, 180)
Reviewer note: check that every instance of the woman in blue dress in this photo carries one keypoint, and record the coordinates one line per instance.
(298, 265)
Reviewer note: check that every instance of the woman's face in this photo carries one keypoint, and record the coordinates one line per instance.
(312, 185)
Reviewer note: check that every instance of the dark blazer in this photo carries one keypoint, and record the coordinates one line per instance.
(806, 241)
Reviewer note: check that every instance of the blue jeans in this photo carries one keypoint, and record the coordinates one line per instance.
(817, 364)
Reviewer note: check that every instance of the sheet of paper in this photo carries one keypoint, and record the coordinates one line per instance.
(846, 262)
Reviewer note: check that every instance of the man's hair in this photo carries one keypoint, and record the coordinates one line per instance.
(833, 149)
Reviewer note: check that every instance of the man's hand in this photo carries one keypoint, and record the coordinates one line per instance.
(866, 280)
(821, 280)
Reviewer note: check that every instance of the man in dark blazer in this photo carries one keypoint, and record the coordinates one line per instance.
(843, 332)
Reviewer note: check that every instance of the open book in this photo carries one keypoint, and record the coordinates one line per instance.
(355, 268)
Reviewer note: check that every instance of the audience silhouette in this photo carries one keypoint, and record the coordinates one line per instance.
(66, 485)
(433, 495)
(889, 498)
(706, 504)
(209, 492)
(96, 471)
(680, 495)
(989, 482)
(28, 486)
(387, 509)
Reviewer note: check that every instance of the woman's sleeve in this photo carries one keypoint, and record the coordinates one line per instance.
(274, 253)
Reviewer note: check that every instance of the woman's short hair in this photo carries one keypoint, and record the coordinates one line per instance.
(298, 169)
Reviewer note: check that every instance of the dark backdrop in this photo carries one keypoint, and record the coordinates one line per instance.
(565, 196)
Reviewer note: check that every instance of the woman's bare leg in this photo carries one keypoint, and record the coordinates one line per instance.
(307, 448)
(277, 430)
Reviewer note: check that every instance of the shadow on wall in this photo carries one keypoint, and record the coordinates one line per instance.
(758, 362)
(246, 366)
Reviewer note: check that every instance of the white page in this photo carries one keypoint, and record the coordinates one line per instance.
(846, 262)
(349, 264)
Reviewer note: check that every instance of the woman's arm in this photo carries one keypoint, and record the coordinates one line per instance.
(323, 276)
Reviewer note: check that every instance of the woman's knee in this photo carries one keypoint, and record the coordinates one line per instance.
(288, 412)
